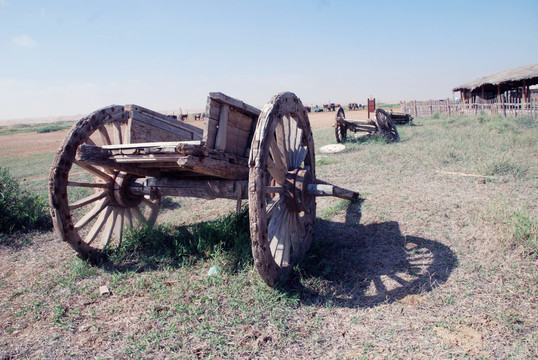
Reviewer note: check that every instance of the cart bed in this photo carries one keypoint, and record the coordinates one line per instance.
(154, 144)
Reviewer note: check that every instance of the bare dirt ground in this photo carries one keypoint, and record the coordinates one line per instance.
(34, 143)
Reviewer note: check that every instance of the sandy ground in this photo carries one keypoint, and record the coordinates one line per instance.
(35, 143)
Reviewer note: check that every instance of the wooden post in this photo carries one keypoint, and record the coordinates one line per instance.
(371, 106)
(524, 95)
(416, 113)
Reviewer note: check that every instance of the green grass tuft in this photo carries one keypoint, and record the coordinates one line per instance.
(20, 210)
(166, 245)
(524, 233)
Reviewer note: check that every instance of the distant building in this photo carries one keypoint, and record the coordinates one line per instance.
(508, 86)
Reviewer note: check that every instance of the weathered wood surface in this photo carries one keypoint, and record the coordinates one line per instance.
(323, 188)
(204, 189)
(359, 122)
(98, 220)
(179, 156)
(282, 142)
(360, 127)
(220, 140)
(147, 126)
(230, 124)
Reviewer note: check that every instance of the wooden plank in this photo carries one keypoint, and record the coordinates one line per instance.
(221, 138)
(145, 128)
(163, 118)
(240, 120)
(235, 103)
(163, 144)
(210, 131)
(213, 108)
(217, 168)
(237, 141)
(205, 189)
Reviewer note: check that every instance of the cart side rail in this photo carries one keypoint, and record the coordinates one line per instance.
(146, 125)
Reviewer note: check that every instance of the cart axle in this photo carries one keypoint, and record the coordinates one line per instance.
(224, 189)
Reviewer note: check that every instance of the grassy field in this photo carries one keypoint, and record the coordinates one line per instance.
(39, 127)
(437, 260)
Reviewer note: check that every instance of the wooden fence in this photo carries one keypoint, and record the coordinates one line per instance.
(513, 107)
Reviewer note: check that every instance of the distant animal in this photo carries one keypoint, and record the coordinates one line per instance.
(329, 107)
(353, 106)
(183, 117)
(198, 116)
(308, 109)
(172, 117)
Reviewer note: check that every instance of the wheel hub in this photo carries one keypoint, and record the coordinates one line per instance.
(297, 189)
(122, 193)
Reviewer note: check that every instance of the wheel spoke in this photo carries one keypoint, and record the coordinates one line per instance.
(292, 135)
(301, 231)
(98, 225)
(270, 208)
(105, 138)
(280, 240)
(116, 131)
(129, 217)
(296, 239)
(90, 215)
(278, 158)
(106, 236)
(95, 171)
(118, 228)
(281, 142)
(289, 137)
(87, 200)
(279, 176)
(300, 156)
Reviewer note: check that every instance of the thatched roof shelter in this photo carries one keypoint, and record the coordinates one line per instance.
(502, 81)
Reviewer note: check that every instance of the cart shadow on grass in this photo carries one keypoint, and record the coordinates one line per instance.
(348, 265)
(354, 265)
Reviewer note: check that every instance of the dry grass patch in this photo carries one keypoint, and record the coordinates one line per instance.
(433, 262)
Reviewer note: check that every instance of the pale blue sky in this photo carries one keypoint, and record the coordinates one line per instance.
(72, 57)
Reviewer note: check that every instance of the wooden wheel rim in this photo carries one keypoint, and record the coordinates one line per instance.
(340, 127)
(280, 234)
(386, 126)
(94, 222)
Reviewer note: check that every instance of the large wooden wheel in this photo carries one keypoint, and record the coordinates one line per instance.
(91, 205)
(386, 126)
(282, 164)
(340, 128)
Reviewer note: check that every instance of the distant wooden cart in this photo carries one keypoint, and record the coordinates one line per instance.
(382, 123)
(116, 164)
(400, 118)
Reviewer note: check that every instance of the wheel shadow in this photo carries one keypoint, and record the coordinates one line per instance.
(353, 265)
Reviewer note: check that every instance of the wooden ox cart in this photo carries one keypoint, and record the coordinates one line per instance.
(117, 163)
(400, 118)
(382, 123)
